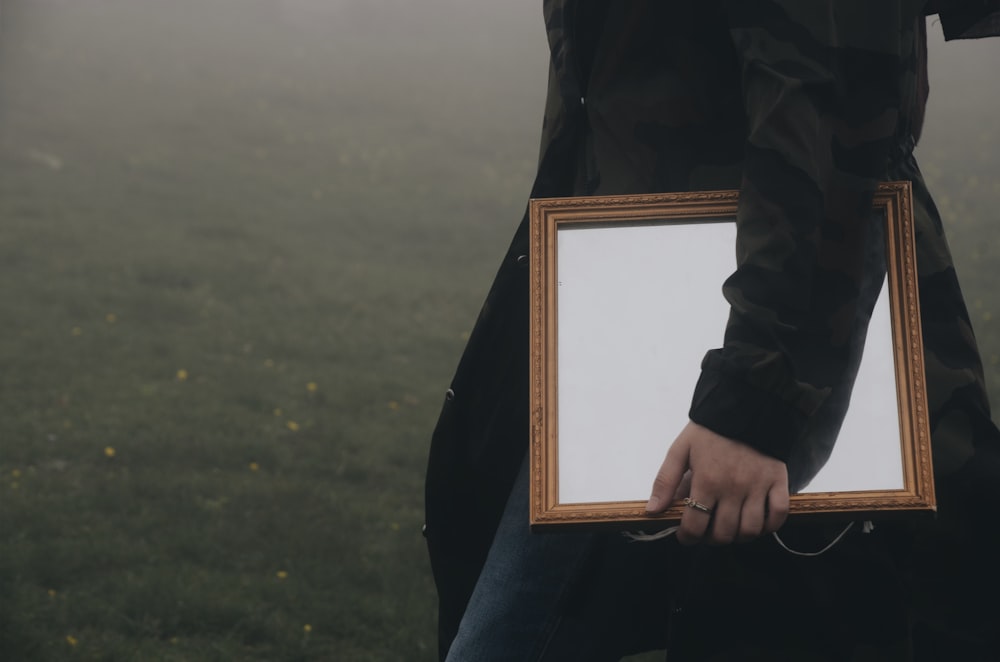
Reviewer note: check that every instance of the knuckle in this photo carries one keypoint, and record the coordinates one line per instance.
(780, 509)
(689, 533)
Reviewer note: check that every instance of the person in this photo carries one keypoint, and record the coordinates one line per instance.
(803, 107)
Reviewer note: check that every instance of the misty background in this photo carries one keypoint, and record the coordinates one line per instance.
(242, 243)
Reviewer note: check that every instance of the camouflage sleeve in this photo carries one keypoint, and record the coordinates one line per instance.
(822, 87)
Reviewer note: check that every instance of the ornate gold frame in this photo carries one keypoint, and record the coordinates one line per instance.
(548, 215)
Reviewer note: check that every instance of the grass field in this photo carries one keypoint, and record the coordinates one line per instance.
(241, 245)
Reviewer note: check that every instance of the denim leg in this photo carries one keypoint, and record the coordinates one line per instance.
(519, 598)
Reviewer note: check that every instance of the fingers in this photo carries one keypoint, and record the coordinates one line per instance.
(726, 524)
(777, 507)
(668, 480)
(696, 524)
(736, 492)
(752, 518)
(684, 488)
(729, 521)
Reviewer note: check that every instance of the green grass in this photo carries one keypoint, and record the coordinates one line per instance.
(264, 206)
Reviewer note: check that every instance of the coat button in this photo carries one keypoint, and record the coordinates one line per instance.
(449, 395)
(522, 259)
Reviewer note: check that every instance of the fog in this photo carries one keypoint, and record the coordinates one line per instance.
(390, 89)
(242, 243)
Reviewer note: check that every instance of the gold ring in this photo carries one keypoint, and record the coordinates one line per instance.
(697, 505)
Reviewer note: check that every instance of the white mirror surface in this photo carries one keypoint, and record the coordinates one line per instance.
(638, 306)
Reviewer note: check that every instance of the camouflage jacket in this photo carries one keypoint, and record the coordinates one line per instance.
(803, 111)
(802, 106)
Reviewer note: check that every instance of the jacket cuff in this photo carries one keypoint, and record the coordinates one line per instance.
(730, 406)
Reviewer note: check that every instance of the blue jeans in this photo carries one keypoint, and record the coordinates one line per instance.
(596, 598)
(517, 605)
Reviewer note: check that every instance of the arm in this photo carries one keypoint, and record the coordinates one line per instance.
(823, 84)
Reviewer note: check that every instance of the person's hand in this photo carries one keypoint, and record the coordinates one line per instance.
(745, 491)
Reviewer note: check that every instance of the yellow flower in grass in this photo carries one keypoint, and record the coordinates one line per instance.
(312, 387)
(307, 628)
(254, 466)
(281, 574)
(15, 473)
(182, 375)
(109, 451)
(292, 425)
(71, 640)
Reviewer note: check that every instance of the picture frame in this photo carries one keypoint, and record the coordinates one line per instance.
(626, 299)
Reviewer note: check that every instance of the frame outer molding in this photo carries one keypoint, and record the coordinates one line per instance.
(547, 214)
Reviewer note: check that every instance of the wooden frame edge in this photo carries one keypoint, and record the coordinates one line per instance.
(546, 215)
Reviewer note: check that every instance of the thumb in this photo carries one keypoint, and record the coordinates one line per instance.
(669, 477)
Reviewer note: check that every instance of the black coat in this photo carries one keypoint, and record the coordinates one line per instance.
(607, 131)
